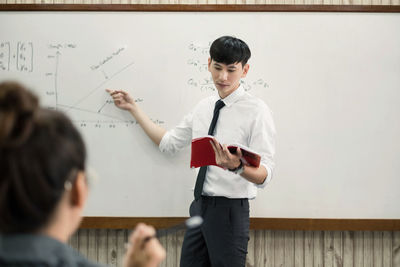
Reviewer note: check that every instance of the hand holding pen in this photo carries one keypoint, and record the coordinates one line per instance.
(143, 250)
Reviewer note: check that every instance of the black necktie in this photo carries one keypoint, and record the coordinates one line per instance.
(202, 172)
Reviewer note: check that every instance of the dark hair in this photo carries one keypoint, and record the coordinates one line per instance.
(39, 151)
(229, 50)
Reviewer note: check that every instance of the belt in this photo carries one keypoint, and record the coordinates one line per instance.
(224, 201)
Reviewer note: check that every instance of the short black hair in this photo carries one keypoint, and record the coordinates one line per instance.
(229, 50)
(39, 150)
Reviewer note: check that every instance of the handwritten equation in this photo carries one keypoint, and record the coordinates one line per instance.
(207, 84)
(201, 67)
(16, 57)
(202, 49)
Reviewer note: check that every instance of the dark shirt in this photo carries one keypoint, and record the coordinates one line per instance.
(38, 250)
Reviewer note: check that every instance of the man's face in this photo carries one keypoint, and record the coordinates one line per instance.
(226, 77)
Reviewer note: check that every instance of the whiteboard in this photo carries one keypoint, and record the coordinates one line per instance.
(332, 81)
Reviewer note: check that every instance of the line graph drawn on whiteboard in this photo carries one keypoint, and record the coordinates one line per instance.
(84, 99)
(87, 103)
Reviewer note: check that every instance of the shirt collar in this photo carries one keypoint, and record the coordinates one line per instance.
(234, 96)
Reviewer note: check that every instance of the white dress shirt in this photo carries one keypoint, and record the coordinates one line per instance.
(244, 120)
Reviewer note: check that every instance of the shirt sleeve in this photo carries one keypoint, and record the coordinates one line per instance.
(178, 137)
(262, 140)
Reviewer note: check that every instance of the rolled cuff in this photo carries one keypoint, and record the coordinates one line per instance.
(267, 179)
(163, 146)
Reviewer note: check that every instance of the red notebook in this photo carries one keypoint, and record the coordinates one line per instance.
(203, 153)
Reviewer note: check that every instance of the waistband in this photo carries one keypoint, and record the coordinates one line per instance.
(224, 201)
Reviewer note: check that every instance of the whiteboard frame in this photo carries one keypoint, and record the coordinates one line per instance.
(200, 8)
(255, 223)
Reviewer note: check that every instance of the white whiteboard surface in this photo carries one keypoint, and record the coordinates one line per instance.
(332, 81)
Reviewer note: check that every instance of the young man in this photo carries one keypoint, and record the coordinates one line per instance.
(221, 194)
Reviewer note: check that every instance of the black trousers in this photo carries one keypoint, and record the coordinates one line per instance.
(222, 239)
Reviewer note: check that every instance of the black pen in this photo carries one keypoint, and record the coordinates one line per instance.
(192, 222)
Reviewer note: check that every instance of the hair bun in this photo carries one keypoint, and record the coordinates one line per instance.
(17, 109)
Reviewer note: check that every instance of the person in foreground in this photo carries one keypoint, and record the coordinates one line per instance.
(221, 194)
(44, 187)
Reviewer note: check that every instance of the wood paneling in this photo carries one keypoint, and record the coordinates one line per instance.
(266, 247)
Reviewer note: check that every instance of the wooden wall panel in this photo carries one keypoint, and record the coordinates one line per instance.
(387, 249)
(267, 248)
(299, 249)
(92, 245)
(396, 249)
